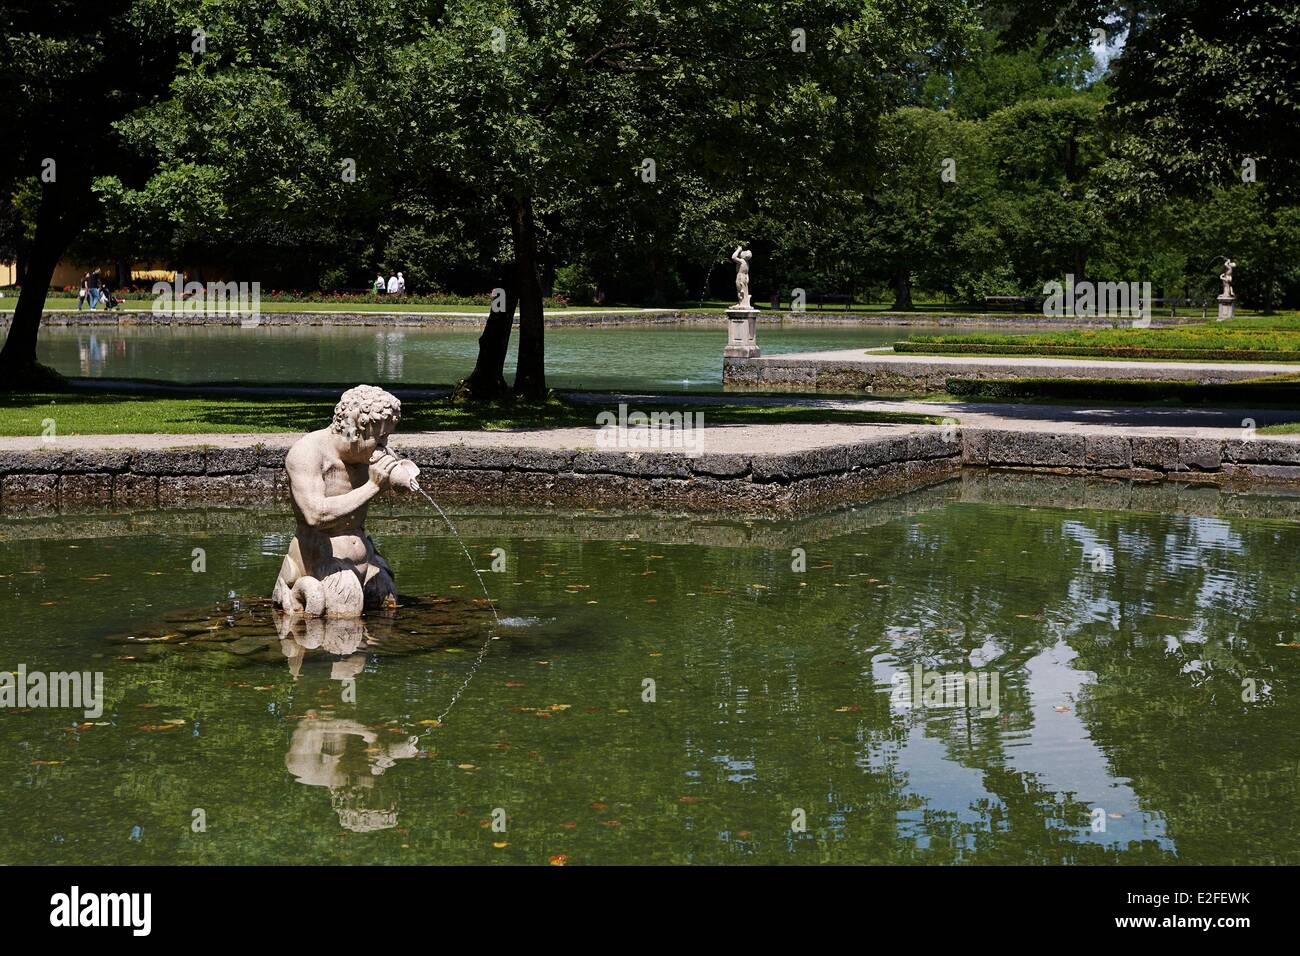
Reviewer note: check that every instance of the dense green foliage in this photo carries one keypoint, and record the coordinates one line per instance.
(607, 152)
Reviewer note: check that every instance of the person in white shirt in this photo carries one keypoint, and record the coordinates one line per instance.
(392, 285)
(379, 284)
(401, 284)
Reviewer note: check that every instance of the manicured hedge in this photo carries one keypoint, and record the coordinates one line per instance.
(1274, 390)
(1099, 351)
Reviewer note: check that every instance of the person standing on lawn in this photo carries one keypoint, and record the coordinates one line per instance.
(92, 289)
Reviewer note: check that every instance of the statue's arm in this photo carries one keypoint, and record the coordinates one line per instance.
(735, 256)
(307, 486)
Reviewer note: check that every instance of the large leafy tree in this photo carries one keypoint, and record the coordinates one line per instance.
(68, 72)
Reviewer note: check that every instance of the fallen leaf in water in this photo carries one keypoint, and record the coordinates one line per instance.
(599, 806)
(515, 683)
(613, 823)
(559, 859)
(1061, 709)
(559, 707)
(159, 727)
(569, 825)
(689, 800)
(466, 766)
(46, 763)
(430, 723)
(501, 845)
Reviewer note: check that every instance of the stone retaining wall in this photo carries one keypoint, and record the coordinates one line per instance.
(918, 376)
(746, 483)
(743, 483)
(1120, 454)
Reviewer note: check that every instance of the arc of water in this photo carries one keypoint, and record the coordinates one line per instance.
(482, 651)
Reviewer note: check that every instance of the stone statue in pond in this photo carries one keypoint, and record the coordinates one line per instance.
(333, 568)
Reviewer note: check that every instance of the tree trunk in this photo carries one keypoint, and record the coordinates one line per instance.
(55, 229)
(902, 283)
(488, 380)
(658, 269)
(530, 372)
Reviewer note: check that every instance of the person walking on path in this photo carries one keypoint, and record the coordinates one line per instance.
(392, 285)
(84, 294)
(378, 287)
(401, 284)
(92, 289)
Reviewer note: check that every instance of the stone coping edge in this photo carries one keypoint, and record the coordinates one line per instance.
(753, 483)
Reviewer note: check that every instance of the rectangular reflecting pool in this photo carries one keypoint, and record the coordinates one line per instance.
(668, 689)
(661, 357)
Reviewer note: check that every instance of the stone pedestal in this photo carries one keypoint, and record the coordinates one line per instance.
(742, 333)
(1226, 305)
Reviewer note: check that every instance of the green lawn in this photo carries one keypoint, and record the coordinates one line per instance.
(85, 413)
(1290, 428)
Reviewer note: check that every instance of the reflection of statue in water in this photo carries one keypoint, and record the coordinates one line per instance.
(348, 758)
(338, 753)
(741, 259)
(333, 568)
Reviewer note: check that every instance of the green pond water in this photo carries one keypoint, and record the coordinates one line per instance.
(1119, 705)
(664, 357)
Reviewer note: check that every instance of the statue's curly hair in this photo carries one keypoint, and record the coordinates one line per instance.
(360, 406)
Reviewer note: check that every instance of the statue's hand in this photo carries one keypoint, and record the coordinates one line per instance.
(381, 471)
(403, 473)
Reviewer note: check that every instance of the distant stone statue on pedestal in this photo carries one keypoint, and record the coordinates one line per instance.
(1227, 299)
(741, 259)
(742, 318)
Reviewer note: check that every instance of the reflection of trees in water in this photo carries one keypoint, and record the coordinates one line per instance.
(1183, 611)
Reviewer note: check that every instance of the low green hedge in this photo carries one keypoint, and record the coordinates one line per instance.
(1272, 390)
(1099, 351)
